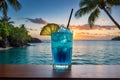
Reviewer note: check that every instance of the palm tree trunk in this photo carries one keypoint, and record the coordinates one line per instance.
(112, 18)
(1, 2)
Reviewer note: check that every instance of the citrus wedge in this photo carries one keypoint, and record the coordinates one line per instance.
(49, 29)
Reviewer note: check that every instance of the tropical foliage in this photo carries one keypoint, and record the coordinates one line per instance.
(94, 6)
(9, 34)
(16, 36)
(4, 33)
(4, 7)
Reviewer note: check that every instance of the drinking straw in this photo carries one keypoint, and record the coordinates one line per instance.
(69, 18)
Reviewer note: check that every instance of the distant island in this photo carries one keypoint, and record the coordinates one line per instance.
(35, 40)
(116, 38)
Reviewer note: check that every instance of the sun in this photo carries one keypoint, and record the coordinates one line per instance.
(75, 35)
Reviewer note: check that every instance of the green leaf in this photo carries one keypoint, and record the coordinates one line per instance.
(15, 4)
(82, 11)
(113, 2)
(93, 16)
(0, 38)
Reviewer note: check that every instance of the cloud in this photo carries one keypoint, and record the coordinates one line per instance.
(102, 20)
(95, 27)
(37, 20)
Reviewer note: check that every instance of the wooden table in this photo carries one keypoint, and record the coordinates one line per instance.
(46, 71)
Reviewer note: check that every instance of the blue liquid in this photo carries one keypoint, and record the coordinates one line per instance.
(62, 56)
(62, 48)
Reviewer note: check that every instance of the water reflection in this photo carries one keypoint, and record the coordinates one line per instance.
(14, 56)
(84, 52)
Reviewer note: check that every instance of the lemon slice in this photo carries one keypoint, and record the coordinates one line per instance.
(49, 29)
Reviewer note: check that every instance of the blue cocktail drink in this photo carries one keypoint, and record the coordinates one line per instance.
(61, 42)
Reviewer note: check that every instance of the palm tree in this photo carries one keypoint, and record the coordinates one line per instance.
(4, 6)
(93, 7)
(6, 21)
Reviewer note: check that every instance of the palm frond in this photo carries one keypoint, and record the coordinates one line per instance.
(0, 6)
(113, 2)
(5, 8)
(93, 16)
(88, 3)
(15, 4)
(11, 22)
(83, 3)
(86, 6)
(82, 11)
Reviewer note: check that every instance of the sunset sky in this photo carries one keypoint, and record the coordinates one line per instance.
(36, 13)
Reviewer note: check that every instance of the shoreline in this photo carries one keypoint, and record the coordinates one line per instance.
(7, 48)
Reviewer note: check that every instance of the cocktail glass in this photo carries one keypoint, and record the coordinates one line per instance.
(61, 42)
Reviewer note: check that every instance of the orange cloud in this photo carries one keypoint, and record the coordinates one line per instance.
(95, 27)
(97, 33)
(85, 33)
(103, 20)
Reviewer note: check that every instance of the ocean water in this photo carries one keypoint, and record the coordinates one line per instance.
(84, 52)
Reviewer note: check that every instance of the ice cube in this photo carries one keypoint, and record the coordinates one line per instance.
(55, 37)
(58, 36)
(63, 29)
(62, 35)
(64, 49)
